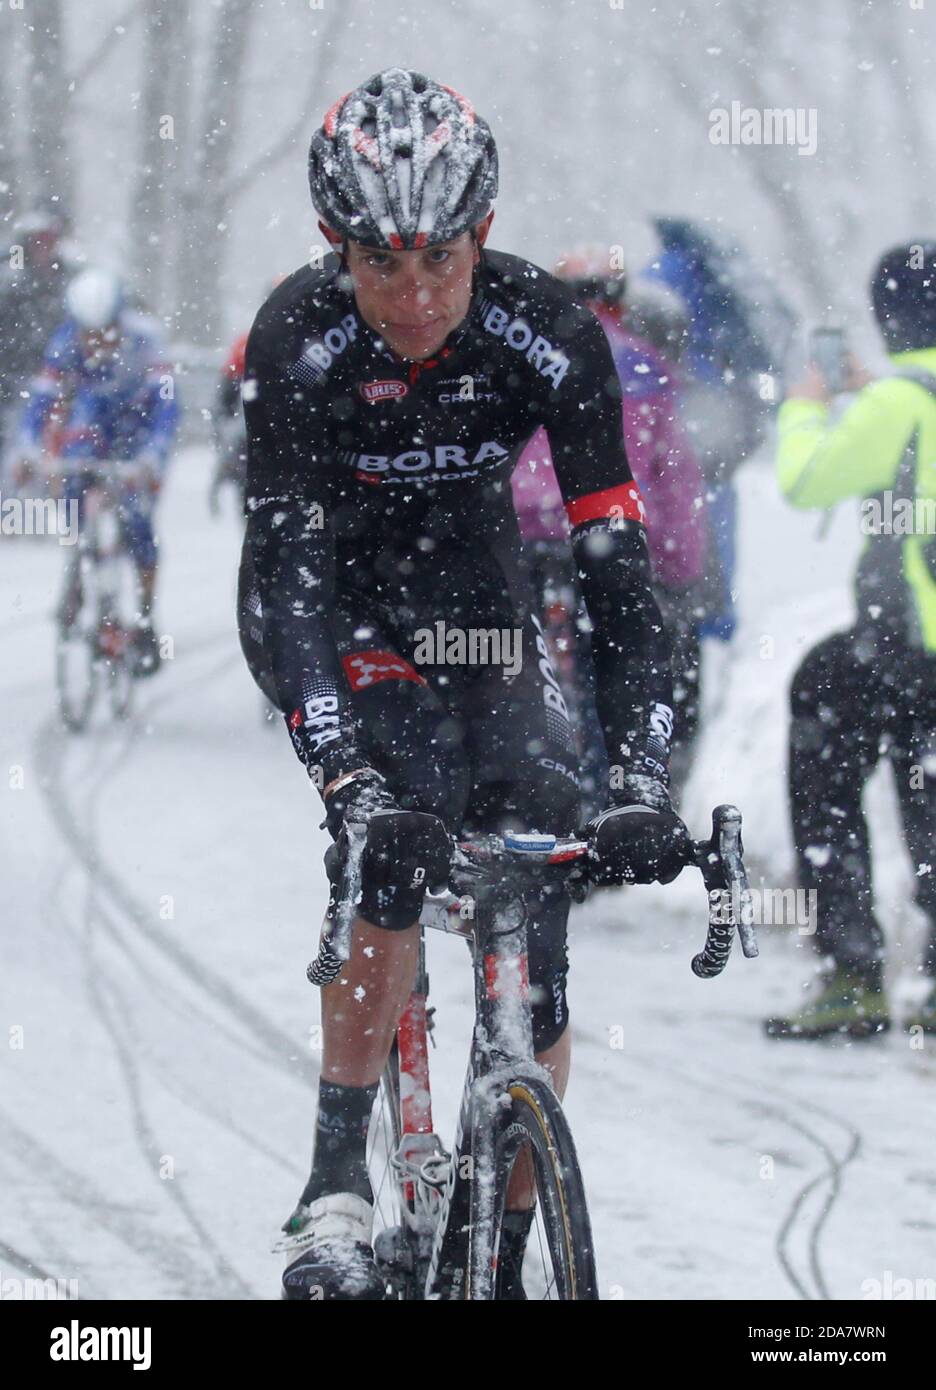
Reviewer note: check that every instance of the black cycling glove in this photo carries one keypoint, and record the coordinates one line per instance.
(405, 852)
(640, 839)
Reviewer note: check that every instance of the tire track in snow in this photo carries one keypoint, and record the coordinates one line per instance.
(49, 747)
(51, 750)
(797, 1224)
(120, 1220)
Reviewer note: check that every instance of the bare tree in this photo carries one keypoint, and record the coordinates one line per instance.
(157, 137)
(805, 255)
(52, 178)
(9, 173)
(203, 202)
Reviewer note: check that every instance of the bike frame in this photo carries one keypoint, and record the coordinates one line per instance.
(494, 902)
(450, 1219)
(98, 555)
(90, 619)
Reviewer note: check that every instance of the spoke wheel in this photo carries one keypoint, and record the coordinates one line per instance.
(535, 1147)
(383, 1142)
(76, 673)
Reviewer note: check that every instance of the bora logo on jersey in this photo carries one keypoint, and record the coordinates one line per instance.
(444, 461)
(549, 361)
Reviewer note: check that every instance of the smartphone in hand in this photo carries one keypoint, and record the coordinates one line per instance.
(828, 352)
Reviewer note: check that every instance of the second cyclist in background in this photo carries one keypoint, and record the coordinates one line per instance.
(104, 396)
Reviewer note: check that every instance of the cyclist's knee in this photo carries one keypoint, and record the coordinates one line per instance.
(550, 1010)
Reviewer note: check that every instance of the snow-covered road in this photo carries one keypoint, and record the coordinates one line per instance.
(162, 889)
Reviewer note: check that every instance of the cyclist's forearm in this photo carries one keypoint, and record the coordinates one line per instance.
(297, 600)
(630, 650)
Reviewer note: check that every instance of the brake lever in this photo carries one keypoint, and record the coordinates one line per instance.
(721, 860)
(335, 945)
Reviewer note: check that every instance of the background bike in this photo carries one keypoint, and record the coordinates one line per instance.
(439, 1214)
(94, 648)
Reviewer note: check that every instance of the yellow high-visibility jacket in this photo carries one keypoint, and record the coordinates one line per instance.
(883, 449)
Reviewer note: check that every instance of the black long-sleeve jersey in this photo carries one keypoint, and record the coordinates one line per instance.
(374, 476)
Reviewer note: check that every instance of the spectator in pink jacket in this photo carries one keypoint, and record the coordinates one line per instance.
(662, 462)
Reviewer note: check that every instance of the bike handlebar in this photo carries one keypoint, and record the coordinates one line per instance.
(720, 860)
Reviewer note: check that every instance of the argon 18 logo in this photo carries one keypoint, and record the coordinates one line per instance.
(383, 390)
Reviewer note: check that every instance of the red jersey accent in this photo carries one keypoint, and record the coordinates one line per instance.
(295, 719)
(624, 501)
(364, 669)
(430, 362)
(234, 366)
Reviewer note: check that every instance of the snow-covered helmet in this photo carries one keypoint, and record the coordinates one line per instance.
(590, 275)
(94, 299)
(402, 162)
(903, 295)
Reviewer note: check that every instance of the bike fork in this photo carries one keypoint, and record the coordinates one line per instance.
(504, 1035)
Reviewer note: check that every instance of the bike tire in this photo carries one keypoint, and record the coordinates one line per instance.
(538, 1127)
(75, 704)
(120, 683)
(384, 1136)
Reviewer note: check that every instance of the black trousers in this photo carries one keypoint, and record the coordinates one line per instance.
(855, 700)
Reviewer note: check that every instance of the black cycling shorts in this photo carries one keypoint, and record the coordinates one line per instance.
(485, 747)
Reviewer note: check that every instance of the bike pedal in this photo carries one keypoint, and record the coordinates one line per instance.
(392, 1252)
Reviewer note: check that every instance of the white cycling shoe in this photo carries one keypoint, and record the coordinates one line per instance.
(328, 1251)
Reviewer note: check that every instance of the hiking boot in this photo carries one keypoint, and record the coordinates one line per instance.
(845, 1003)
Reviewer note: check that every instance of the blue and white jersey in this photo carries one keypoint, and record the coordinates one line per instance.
(121, 405)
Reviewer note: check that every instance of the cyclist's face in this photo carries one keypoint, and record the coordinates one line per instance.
(414, 299)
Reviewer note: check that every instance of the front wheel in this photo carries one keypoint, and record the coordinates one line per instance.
(534, 1143)
(75, 675)
(120, 682)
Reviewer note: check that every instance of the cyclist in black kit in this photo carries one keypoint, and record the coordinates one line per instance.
(387, 397)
